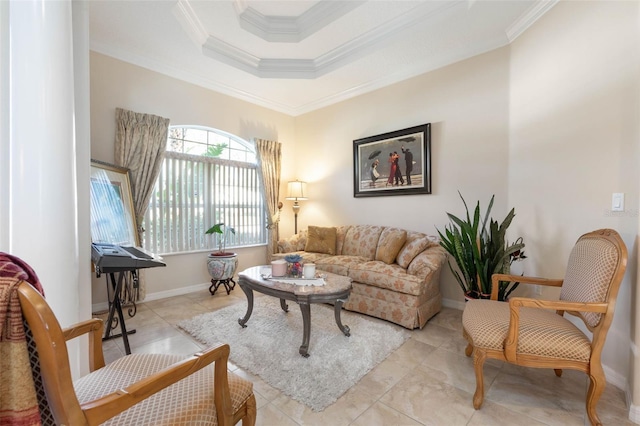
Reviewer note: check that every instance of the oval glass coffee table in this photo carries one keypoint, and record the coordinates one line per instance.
(336, 290)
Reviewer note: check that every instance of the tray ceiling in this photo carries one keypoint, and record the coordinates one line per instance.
(298, 56)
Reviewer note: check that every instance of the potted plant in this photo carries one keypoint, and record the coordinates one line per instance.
(222, 230)
(221, 264)
(481, 251)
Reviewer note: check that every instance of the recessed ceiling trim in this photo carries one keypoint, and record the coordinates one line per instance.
(340, 56)
(452, 57)
(260, 67)
(440, 48)
(161, 67)
(291, 29)
(231, 55)
(528, 18)
(189, 21)
(294, 111)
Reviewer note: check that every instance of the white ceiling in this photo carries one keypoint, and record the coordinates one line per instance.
(296, 56)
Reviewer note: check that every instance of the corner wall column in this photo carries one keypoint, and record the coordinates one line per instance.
(40, 199)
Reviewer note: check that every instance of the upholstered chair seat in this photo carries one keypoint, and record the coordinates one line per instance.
(536, 333)
(187, 402)
(138, 389)
(543, 333)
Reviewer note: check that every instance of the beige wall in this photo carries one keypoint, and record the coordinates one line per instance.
(118, 84)
(549, 124)
(467, 106)
(574, 140)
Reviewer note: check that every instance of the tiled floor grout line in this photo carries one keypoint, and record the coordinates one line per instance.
(442, 334)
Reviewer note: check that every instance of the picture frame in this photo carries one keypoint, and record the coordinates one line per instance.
(113, 218)
(409, 147)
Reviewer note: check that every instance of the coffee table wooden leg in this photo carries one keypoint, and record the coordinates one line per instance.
(305, 308)
(283, 305)
(249, 293)
(337, 310)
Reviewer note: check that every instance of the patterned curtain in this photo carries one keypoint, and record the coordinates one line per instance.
(269, 158)
(141, 140)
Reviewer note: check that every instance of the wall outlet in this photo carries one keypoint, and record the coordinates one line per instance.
(538, 290)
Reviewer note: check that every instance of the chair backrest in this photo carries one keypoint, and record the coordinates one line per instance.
(595, 270)
(52, 357)
(46, 416)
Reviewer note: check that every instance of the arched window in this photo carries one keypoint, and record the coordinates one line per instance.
(208, 176)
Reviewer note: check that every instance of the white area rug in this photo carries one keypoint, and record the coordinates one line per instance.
(268, 347)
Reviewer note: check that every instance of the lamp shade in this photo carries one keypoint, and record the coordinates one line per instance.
(297, 190)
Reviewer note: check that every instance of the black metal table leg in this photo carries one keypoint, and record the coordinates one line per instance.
(115, 307)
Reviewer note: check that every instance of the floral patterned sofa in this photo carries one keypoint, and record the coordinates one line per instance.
(395, 273)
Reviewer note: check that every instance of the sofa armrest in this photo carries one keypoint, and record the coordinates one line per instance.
(296, 242)
(287, 245)
(430, 260)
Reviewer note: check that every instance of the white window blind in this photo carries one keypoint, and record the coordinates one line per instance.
(193, 193)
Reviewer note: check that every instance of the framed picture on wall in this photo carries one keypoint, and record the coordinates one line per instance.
(113, 219)
(394, 163)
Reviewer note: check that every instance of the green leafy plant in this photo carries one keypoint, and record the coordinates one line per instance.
(481, 251)
(223, 231)
(215, 150)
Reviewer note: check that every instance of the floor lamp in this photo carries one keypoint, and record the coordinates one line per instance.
(296, 191)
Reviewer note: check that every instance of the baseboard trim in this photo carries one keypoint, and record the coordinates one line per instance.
(634, 413)
(103, 306)
(454, 304)
(615, 378)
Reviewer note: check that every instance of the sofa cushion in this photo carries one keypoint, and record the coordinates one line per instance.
(391, 277)
(362, 240)
(341, 233)
(288, 245)
(321, 240)
(338, 264)
(415, 244)
(390, 242)
(306, 256)
(302, 240)
(296, 242)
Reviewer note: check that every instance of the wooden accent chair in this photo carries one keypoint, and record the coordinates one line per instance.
(528, 332)
(137, 389)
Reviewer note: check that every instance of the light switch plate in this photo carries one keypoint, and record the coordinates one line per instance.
(617, 202)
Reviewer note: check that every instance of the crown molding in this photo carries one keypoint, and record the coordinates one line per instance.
(528, 18)
(189, 77)
(338, 57)
(291, 110)
(189, 21)
(379, 83)
(291, 29)
(308, 68)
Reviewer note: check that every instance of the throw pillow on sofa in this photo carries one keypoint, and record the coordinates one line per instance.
(390, 243)
(321, 240)
(414, 245)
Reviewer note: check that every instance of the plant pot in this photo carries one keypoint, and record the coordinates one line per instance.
(471, 295)
(222, 266)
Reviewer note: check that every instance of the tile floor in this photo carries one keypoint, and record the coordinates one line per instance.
(427, 381)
